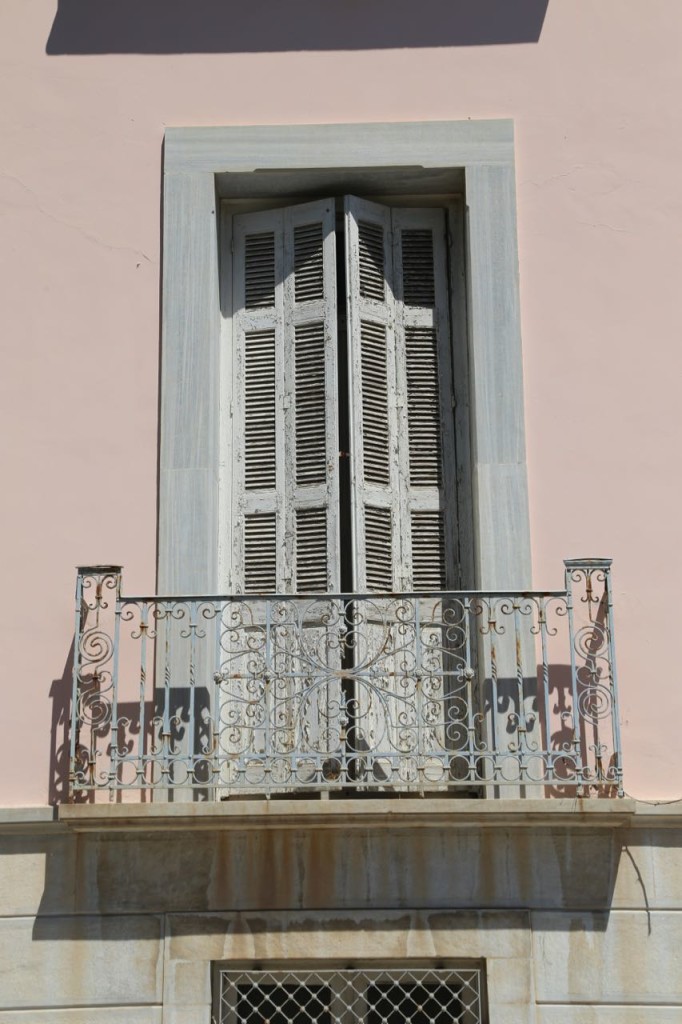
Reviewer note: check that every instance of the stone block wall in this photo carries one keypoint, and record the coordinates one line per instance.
(578, 922)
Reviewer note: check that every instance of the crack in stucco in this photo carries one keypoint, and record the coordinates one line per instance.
(68, 224)
(553, 177)
(575, 169)
(601, 224)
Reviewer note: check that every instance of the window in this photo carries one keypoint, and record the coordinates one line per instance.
(340, 349)
(203, 166)
(372, 995)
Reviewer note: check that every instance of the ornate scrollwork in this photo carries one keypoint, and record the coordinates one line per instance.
(595, 703)
(395, 691)
(95, 647)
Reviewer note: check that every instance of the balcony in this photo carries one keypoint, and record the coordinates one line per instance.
(465, 693)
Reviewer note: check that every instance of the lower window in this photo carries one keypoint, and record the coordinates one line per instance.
(372, 995)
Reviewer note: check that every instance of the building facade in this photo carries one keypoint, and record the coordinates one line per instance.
(336, 339)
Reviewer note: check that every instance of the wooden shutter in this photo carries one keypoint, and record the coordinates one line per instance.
(375, 488)
(276, 696)
(284, 404)
(403, 474)
(425, 398)
(403, 466)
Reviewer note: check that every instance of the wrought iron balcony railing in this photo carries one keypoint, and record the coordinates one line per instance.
(367, 692)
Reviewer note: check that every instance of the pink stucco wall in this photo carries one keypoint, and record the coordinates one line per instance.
(598, 112)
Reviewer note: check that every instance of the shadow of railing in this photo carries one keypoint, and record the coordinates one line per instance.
(60, 695)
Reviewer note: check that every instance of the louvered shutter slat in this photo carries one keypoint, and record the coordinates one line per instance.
(260, 553)
(374, 389)
(311, 550)
(428, 550)
(311, 441)
(378, 548)
(308, 262)
(372, 260)
(417, 268)
(423, 406)
(260, 458)
(259, 261)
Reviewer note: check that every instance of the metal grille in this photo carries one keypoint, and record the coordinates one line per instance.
(353, 996)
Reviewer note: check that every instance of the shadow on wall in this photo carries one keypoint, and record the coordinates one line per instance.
(236, 26)
(60, 695)
(139, 725)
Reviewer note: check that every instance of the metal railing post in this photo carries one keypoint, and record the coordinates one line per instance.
(595, 696)
(93, 664)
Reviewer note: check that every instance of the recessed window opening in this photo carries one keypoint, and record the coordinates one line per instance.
(339, 447)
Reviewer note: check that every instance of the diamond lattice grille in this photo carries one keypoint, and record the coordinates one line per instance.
(395, 996)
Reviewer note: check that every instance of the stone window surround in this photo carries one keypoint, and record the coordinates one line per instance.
(500, 941)
(203, 166)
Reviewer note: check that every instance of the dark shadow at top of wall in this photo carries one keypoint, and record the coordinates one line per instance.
(243, 26)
